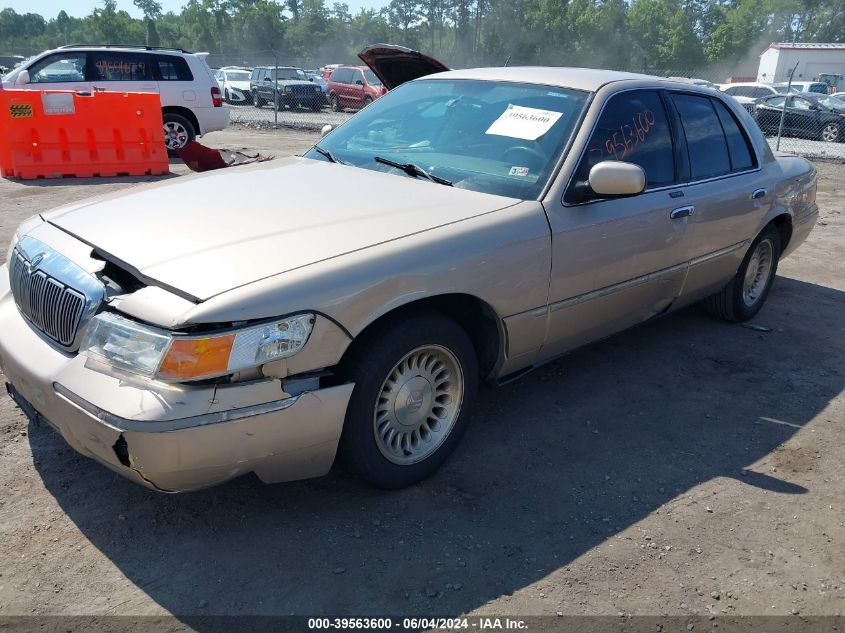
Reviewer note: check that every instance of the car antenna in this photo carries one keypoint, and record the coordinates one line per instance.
(508, 60)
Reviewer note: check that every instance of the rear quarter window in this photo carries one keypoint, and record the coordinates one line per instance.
(172, 68)
(341, 75)
(739, 149)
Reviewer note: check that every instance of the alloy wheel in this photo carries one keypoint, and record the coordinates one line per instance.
(175, 135)
(418, 405)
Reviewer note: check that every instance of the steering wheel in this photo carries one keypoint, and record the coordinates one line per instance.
(535, 154)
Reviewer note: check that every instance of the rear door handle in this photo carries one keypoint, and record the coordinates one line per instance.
(758, 194)
(682, 212)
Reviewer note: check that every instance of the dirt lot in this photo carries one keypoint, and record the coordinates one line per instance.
(686, 467)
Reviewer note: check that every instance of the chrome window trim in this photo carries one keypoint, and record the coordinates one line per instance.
(676, 185)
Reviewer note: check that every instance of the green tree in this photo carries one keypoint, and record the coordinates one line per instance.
(152, 12)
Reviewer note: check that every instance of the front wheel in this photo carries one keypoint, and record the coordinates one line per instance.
(746, 293)
(256, 100)
(414, 384)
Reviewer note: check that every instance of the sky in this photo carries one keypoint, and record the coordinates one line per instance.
(81, 8)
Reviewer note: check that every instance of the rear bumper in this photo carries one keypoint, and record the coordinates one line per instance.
(212, 119)
(801, 228)
(169, 437)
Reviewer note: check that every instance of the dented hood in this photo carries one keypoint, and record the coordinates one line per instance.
(205, 234)
(395, 65)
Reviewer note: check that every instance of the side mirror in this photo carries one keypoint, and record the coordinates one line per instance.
(267, 79)
(23, 78)
(615, 178)
(359, 82)
(326, 129)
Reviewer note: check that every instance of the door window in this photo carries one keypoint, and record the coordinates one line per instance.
(777, 102)
(800, 104)
(357, 76)
(633, 128)
(120, 66)
(706, 144)
(60, 68)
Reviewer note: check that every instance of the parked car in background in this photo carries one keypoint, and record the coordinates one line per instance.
(818, 87)
(353, 87)
(191, 99)
(838, 95)
(234, 82)
(808, 115)
(316, 78)
(327, 70)
(478, 224)
(284, 86)
(748, 93)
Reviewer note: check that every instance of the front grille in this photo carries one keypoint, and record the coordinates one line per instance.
(51, 306)
(751, 107)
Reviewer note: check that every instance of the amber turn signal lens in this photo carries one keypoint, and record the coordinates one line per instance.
(188, 359)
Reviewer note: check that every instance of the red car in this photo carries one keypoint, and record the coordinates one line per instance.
(353, 87)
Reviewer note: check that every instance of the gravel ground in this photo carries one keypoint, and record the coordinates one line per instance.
(686, 467)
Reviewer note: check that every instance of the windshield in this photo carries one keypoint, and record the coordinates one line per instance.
(237, 75)
(492, 137)
(290, 73)
(833, 103)
(371, 78)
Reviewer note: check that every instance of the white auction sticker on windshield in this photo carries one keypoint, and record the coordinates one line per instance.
(525, 123)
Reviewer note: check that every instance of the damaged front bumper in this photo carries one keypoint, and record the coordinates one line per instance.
(169, 437)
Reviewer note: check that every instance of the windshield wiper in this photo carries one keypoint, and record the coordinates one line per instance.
(328, 154)
(413, 170)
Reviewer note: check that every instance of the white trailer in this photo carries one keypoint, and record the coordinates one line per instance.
(813, 60)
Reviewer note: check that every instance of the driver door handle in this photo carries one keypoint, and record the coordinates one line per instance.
(682, 212)
(758, 194)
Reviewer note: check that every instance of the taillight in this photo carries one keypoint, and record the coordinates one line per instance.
(216, 98)
(383, 90)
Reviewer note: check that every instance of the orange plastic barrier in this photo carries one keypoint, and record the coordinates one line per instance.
(56, 133)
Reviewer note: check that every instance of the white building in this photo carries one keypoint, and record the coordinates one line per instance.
(812, 59)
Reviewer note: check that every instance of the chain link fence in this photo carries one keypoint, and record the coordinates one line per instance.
(811, 125)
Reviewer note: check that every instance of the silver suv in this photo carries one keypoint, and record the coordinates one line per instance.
(191, 101)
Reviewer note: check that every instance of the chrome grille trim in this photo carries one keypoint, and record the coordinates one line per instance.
(55, 295)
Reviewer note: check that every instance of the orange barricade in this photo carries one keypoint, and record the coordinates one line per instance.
(53, 133)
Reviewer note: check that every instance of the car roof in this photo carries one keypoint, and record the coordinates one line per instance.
(590, 79)
(123, 49)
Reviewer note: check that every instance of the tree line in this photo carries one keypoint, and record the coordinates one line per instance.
(649, 35)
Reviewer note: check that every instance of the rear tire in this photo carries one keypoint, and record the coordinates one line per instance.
(832, 132)
(746, 293)
(178, 131)
(335, 104)
(415, 381)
